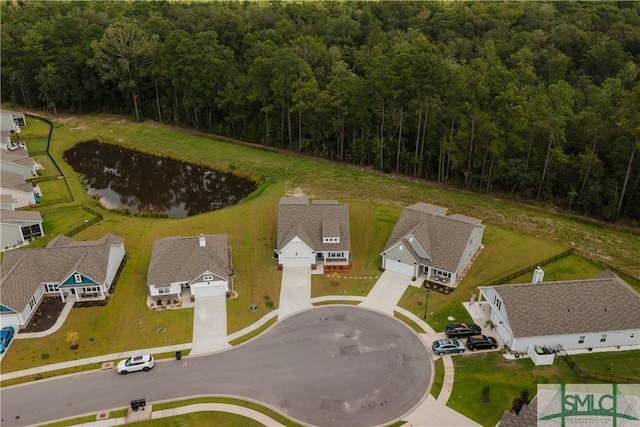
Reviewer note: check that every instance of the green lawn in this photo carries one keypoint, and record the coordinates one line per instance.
(516, 236)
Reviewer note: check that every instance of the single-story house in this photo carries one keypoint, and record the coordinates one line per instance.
(18, 227)
(65, 267)
(427, 242)
(12, 119)
(572, 314)
(312, 233)
(201, 264)
(24, 193)
(18, 161)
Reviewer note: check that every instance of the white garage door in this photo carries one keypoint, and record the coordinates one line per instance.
(398, 267)
(208, 291)
(296, 261)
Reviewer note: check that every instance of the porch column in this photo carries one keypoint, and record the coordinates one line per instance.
(61, 294)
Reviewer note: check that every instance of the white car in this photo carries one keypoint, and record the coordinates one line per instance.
(136, 363)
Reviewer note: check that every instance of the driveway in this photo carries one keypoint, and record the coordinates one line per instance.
(209, 325)
(387, 291)
(295, 290)
(327, 366)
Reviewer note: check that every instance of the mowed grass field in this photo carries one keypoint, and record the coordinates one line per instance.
(515, 236)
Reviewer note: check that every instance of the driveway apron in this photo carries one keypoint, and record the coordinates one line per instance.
(386, 292)
(209, 325)
(295, 290)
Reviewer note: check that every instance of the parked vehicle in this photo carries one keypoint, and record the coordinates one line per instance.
(136, 363)
(481, 342)
(461, 330)
(6, 335)
(451, 345)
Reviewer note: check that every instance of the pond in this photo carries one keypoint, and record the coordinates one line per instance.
(126, 179)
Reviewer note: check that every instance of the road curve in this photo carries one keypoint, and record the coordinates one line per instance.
(327, 366)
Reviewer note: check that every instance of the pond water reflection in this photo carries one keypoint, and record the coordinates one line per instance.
(127, 179)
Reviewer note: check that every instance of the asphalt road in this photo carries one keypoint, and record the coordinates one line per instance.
(328, 366)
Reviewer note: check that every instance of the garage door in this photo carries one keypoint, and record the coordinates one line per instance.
(208, 291)
(398, 267)
(296, 261)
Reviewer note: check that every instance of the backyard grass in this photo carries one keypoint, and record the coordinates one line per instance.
(507, 378)
(516, 236)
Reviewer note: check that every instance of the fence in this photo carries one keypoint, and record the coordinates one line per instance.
(97, 217)
(625, 276)
(598, 376)
(525, 270)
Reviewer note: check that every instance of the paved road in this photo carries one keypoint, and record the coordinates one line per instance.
(328, 366)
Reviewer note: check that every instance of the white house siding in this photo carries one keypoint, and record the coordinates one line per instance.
(400, 261)
(296, 253)
(22, 198)
(175, 289)
(11, 319)
(209, 289)
(25, 171)
(471, 249)
(572, 341)
(10, 236)
(116, 255)
(399, 267)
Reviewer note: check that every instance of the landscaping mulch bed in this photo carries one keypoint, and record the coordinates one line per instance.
(46, 315)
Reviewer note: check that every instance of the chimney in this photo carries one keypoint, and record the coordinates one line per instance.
(202, 241)
(538, 275)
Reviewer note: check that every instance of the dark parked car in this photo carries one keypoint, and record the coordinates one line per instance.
(441, 347)
(461, 330)
(6, 334)
(481, 342)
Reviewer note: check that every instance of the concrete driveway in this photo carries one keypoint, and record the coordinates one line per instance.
(295, 290)
(209, 325)
(387, 291)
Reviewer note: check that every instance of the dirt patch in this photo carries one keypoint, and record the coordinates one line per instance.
(46, 315)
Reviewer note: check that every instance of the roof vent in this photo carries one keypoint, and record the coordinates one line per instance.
(202, 241)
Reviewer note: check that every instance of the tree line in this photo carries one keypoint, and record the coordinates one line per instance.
(536, 99)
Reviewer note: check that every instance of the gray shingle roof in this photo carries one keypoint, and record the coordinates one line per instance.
(19, 157)
(444, 238)
(6, 198)
(604, 303)
(182, 259)
(528, 416)
(24, 270)
(15, 181)
(307, 221)
(7, 215)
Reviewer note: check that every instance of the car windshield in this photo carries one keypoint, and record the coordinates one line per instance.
(128, 362)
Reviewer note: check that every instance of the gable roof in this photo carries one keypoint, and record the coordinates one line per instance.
(443, 238)
(11, 216)
(183, 259)
(18, 157)
(296, 217)
(15, 181)
(604, 303)
(24, 270)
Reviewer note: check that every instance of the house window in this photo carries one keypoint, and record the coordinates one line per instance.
(91, 289)
(581, 339)
(163, 291)
(29, 231)
(497, 302)
(207, 278)
(32, 303)
(471, 241)
(335, 255)
(51, 287)
(603, 338)
(442, 273)
(77, 277)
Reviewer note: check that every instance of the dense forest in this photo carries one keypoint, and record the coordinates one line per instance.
(536, 99)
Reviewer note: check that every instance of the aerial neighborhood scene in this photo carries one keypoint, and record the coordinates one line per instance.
(319, 213)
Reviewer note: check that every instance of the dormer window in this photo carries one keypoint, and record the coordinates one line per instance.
(77, 277)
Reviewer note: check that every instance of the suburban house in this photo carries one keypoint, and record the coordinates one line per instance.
(313, 233)
(571, 314)
(7, 202)
(65, 268)
(18, 227)
(427, 242)
(24, 193)
(10, 122)
(201, 264)
(18, 161)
